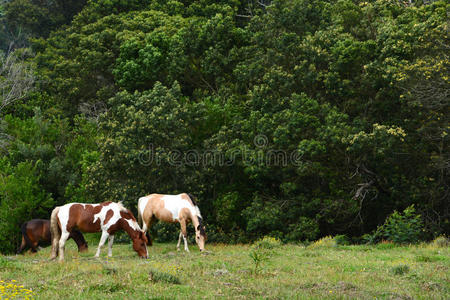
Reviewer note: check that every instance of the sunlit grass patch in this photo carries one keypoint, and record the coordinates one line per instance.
(293, 272)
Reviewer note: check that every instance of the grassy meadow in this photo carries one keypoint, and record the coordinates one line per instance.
(321, 270)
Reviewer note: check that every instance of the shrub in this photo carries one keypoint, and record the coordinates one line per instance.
(325, 242)
(267, 242)
(261, 251)
(258, 256)
(400, 269)
(400, 228)
(386, 245)
(21, 199)
(341, 239)
(441, 241)
(158, 276)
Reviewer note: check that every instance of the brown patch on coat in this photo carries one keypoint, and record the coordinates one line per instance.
(123, 224)
(155, 207)
(127, 215)
(108, 216)
(82, 217)
(185, 215)
(186, 197)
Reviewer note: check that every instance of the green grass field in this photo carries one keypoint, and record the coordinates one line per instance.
(384, 271)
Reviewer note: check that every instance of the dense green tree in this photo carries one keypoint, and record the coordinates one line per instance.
(295, 118)
(21, 199)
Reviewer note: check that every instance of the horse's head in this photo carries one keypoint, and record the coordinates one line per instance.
(140, 244)
(200, 236)
(83, 247)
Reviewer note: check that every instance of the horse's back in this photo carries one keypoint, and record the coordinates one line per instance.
(38, 230)
(165, 207)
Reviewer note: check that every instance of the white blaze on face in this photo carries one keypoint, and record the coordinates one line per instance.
(174, 204)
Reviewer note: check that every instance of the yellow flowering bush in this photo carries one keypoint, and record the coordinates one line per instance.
(267, 242)
(163, 273)
(325, 242)
(11, 290)
(170, 269)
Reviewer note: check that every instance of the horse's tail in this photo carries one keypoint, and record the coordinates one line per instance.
(25, 239)
(55, 232)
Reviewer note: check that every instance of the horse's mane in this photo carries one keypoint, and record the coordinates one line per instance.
(197, 210)
(201, 227)
(198, 215)
(121, 207)
(192, 199)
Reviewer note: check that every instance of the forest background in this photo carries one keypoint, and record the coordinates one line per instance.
(295, 119)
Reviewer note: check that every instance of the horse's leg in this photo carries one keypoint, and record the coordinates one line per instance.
(179, 241)
(146, 225)
(183, 230)
(33, 246)
(62, 243)
(102, 242)
(110, 243)
(22, 246)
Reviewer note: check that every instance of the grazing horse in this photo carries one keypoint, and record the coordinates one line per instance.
(107, 217)
(36, 233)
(172, 208)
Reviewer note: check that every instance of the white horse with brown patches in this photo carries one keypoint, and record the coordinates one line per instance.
(107, 217)
(172, 209)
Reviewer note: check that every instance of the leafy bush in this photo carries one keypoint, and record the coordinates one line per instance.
(267, 242)
(441, 241)
(400, 228)
(261, 251)
(21, 199)
(341, 239)
(400, 269)
(386, 245)
(325, 242)
(158, 276)
(258, 256)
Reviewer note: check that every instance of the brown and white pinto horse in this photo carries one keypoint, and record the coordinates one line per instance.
(172, 208)
(36, 233)
(107, 217)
